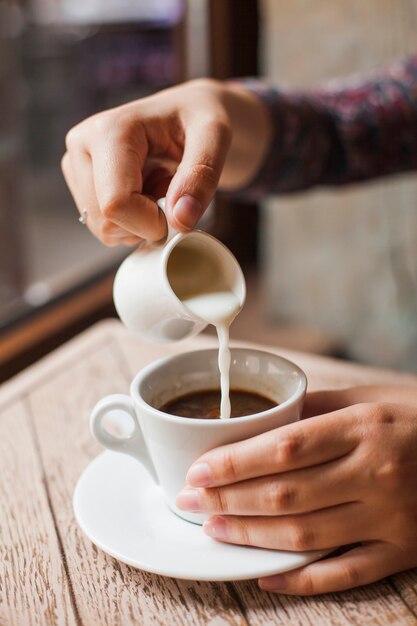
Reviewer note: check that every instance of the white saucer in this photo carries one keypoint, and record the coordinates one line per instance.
(118, 507)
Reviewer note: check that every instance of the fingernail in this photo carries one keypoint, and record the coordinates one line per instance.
(189, 500)
(273, 583)
(199, 475)
(187, 211)
(216, 528)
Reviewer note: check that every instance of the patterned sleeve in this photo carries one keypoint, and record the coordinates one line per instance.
(343, 132)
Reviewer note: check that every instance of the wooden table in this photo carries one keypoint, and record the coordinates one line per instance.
(51, 574)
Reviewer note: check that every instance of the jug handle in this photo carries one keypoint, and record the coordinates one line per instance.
(171, 230)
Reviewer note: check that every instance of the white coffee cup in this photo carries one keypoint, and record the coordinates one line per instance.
(149, 282)
(167, 445)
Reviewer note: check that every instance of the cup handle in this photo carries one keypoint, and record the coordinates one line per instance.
(134, 444)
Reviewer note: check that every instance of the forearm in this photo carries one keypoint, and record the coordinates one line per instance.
(344, 132)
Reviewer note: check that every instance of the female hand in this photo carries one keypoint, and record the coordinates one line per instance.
(174, 143)
(347, 475)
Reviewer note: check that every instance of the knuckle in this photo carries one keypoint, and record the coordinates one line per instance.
(221, 127)
(230, 464)
(391, 473)
(286, 497)
(202, 88)
(377, 413)
(217, 125)
(349, 576)
(288, 448)
(387, 471)
(376, 421)
(241, 532)
(384, 414)
(306, 584)
(102, 123)
(219, 500)
(302, 537)
(202, 83)
(105, 232)
(280, 497)
(114, 206)
(205, 172)
(74, 138)
(65, 164)
(107, 229)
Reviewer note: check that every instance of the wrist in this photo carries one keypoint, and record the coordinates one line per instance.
(251, 134)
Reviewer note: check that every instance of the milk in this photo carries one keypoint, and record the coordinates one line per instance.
(220, 309)
(202, 285)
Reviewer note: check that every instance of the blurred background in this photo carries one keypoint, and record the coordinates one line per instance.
(332, 272)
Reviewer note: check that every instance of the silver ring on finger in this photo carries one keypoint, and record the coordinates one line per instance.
(83, 217)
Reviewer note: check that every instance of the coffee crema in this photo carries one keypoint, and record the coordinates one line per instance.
(205, 404)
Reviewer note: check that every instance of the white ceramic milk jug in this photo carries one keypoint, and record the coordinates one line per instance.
(152, 283)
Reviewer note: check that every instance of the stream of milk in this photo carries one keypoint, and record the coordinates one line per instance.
(220, 309)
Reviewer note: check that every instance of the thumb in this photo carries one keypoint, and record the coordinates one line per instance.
(195, 181)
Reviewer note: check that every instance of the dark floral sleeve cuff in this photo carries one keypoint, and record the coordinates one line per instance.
(346, 131)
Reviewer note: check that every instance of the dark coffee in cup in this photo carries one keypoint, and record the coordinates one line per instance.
(206, 404)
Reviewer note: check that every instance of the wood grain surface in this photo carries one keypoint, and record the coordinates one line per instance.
(51, 574)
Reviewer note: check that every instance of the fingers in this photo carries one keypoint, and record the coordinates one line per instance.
(297, 445)
(175, 127)
(197, 177)
(299, 491)
(78, 174)
(319, 530)
(117, 167)
(360, 566)
(320, 402)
